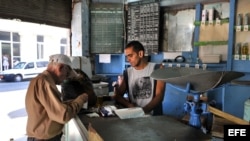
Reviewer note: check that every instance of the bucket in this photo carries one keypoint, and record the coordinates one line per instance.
(101, 89)
(247, 110)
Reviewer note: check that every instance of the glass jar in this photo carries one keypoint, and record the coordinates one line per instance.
(244, 49)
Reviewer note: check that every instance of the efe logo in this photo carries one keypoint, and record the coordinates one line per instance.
(236, 132)
(241, 132)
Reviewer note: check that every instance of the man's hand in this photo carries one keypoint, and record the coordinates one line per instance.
(130, 105)
(84, 97)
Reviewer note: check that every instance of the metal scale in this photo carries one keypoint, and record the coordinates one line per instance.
(194, 82)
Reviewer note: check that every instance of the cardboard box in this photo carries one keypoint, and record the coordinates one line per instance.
(215, 58)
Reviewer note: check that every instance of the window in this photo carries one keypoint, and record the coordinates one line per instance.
(16, 49)
(16, 37)
(39, 38)
(5, 36)
(63, 45)
(40, 48)
(16, 60)
(10, 48)
(42, 64)
(30, 65)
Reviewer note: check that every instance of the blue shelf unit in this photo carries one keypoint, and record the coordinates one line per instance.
(110, 70)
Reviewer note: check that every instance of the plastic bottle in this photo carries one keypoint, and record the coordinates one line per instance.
(239, 20)
(246, 19)
(247, 110)
(237, 49)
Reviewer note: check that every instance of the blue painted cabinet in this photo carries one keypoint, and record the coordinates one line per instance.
(229, 98)
(111, 69)
(235, 95)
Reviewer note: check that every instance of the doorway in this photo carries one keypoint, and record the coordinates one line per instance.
(5, 50)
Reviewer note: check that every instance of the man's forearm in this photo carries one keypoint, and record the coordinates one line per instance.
(121, 100)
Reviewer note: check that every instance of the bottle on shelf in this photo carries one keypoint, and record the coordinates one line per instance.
(246, 19)
(237, 49)
(239, 20)
(244, 49)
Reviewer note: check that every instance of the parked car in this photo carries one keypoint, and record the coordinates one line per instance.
(24, 70)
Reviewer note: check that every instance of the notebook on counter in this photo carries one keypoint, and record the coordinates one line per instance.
(126, 113)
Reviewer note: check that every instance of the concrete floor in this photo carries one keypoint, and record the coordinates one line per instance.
(13, 116)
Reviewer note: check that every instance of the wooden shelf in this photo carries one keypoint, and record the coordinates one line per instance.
(199, 23)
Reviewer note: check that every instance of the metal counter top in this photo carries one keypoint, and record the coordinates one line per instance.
(152, 128)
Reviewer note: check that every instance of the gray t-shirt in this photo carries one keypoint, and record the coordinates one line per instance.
(141, 85)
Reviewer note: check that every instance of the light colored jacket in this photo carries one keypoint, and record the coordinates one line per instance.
(47, 114)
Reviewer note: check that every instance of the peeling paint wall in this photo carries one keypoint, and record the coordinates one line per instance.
(76, 30)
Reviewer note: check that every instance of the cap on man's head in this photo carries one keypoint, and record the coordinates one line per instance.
(60, 58)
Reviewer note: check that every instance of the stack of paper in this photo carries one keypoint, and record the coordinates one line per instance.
(129, 113)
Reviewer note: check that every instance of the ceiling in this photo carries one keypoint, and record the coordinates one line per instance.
(50, 12)
(58, 12)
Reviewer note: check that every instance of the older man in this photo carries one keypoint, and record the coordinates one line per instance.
(47, 114)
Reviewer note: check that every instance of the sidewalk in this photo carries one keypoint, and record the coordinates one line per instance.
(13, 115)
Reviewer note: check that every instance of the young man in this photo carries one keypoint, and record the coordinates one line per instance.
(47, 114)
(142, 90)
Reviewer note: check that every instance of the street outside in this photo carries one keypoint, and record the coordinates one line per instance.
(13, 115)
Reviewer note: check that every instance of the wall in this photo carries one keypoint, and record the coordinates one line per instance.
(28, 37)
(76, 30)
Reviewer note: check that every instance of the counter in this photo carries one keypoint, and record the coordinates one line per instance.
(151, 128)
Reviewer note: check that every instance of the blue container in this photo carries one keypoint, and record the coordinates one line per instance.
(247, 110)
(174, 99)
